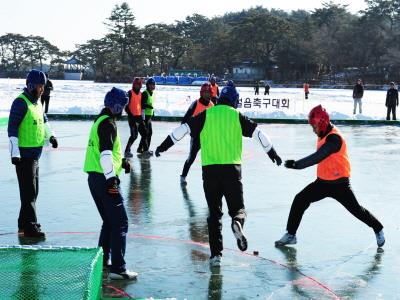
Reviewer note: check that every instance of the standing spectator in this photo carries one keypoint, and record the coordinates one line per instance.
(267, 88)
(358, 93)
(220, 130)
(256, 88)
(214, 89)
(392, 100)
(103, 163)
(45, 98)
(306, 87)
(27, 130)
(135, 120)
(147, 114)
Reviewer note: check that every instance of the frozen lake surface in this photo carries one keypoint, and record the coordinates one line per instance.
(336, 255)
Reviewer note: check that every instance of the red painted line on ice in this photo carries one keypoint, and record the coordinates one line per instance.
(204, 245)
(120, 292)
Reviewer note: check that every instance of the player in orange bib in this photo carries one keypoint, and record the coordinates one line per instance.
(195, 108)
(214, 89)
(135, 120)
(333, 178)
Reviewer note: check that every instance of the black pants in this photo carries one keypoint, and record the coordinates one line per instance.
(214, 190)
(115, 222)
(391, 108)
(319, 190)
(136, 125)
(28, 181)
(266, 92)
(146, 139)
(194, 149)
(45, 101)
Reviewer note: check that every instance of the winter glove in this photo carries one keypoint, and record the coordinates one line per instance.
(290, 164)
(157, 153)
(16, 160)
(274, 156)
(113, 186)
(53, 141)
(126, 165)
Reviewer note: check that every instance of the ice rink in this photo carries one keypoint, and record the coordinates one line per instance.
(336, 256)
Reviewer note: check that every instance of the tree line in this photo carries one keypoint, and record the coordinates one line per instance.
(326, 44)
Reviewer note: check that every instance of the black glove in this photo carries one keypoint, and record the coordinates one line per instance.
(53, 141)
(16, 160)
(157, 153)
(126, 165)
(290, 164)
(113, 186)
(274, 156)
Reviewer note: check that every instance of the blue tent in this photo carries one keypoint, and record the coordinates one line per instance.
(185, 80)
(201, 78)
(171, 80)
(159, 79)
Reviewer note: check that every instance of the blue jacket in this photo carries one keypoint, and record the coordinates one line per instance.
(17, 113)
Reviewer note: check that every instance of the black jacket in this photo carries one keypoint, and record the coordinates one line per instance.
(358, 91)
(392, 97)
(47, 88)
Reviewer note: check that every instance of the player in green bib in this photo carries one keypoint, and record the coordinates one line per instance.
(221, 129)
(147, 115)
(104, 163)
(27, 131)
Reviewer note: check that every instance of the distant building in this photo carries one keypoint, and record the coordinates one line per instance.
(248, 71)
(73, 69)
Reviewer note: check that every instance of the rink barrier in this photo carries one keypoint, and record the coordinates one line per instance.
(71, 117)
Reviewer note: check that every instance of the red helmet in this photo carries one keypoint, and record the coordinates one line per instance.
(137, 82)
(205, 87)
(319, 118)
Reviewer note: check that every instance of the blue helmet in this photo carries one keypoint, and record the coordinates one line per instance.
(150, 81)
(35, 77)
(229, 95)
(116, 99)
(230, 83)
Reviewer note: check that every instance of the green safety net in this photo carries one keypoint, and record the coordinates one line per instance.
(53, 273)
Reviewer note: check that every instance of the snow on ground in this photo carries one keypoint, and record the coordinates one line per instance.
(86, 97)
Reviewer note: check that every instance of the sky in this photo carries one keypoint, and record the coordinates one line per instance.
(65, 23)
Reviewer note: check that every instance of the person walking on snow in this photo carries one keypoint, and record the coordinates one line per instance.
(267, 87)
(195, 108)
(333, 178)
(103, 164)
(220, 130)
(358, 93)
(306, 87)
(147, 114)
(45, 98)
(392, 100)
(256, 87)
(135, 120)
(28, 129)
(214, 89)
